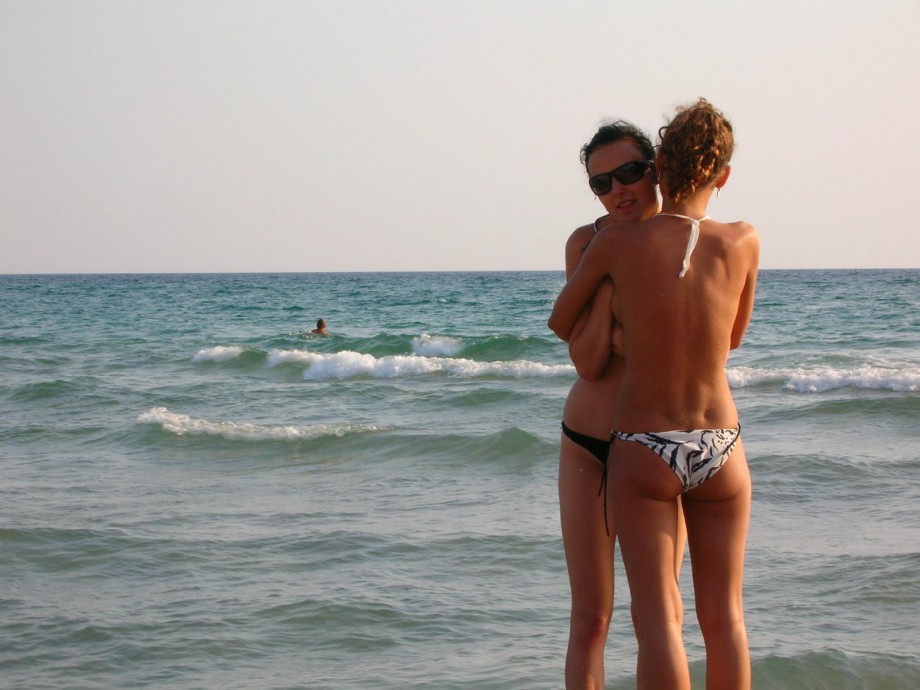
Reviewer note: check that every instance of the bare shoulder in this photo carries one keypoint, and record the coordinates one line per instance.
(580, 238)
(745, 233)
(741, 228)
(609, 242)
(740, 232)
(575, 247)
(621, 231)
(609, 235)
(743, 237)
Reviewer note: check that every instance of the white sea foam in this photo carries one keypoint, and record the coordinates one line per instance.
(428, 359)
(346, 364)
(436, 345)
(821, 379)
(218, 353)
(277, 357)
(181, 424)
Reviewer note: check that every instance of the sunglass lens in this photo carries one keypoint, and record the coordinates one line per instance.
(600, 184)
(629, 172)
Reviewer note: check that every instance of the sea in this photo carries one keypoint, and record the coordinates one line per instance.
(197, 492)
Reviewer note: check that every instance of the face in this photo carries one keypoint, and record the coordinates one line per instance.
(633, 201)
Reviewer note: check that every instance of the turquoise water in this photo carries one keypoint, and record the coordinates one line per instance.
(197, 493)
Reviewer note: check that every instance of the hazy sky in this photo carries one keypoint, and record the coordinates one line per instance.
(351, 135)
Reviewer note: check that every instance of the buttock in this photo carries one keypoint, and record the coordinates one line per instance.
(694, 455)
(598, 447)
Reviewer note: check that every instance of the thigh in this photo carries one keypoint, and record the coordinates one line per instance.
(643, 492)
(717, 515)
(588, 548)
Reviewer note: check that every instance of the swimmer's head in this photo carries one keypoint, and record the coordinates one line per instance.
(696, 149)
(320, 324)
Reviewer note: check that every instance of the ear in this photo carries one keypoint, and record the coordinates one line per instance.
(659, 166)
(723, 177)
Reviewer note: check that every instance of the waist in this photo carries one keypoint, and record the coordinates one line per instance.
(589, 406)
(643, 406)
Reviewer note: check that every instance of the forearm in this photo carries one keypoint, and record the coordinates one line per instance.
(572, 301)
(590, 342)
(580, 287)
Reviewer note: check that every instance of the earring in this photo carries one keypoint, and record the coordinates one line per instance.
(718, 191)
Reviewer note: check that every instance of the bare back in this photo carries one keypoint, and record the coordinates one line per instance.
(678, 331)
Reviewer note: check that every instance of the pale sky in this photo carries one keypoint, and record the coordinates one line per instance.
(391, 135)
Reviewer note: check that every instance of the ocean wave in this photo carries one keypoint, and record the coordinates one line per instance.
(181, 424)
(278, 357)
(392, 356)
(218, 353)
(436, 355)
(828, 669)
(507, 346)
(348, 364)
(46, 390)
(822, 379)
(436, 346)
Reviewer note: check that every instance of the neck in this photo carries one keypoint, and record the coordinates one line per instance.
(685, 208)
(693, 206)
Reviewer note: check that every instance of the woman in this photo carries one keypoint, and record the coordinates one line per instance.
(680, 318)
(618, 160)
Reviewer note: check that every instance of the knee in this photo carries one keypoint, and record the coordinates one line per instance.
(655, 621)
(720, 621)
(589, 626)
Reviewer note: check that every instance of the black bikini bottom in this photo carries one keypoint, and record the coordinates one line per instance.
(595, 446)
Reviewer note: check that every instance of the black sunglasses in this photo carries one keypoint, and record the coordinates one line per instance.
(628, 173)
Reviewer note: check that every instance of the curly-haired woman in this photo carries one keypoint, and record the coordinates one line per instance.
(684, 294)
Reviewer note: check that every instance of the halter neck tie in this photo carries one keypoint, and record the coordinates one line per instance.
(691, 243)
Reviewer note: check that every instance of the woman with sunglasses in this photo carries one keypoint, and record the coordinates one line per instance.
(618, 160)
(684, 294)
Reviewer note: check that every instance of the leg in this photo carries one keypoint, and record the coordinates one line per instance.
(589, 556)
(717, 514)
(680, 544)
(644, 492)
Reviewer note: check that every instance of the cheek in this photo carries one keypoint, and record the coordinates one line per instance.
(609, 204)
(649, 196)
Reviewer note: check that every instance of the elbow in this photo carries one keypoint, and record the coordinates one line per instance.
(735, 341)
(737, 334)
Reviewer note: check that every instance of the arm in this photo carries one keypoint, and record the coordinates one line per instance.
(746, 302)
(590, 343)
(580, 288)
(574, 249)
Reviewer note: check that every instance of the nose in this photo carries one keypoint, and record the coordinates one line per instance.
(616, 188)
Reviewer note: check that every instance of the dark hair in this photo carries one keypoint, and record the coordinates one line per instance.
(609, 132)
(320, 323)
(696, 146)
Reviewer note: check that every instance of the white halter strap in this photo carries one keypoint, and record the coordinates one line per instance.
(691, 243)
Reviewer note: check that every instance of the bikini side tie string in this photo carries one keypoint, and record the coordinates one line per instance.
(603, 486)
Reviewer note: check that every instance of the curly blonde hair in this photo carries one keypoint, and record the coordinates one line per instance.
(696, 146)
